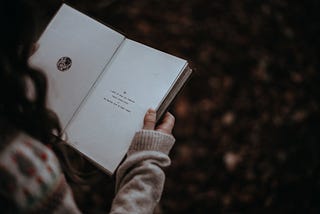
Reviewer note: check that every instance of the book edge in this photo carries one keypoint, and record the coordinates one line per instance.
(177, 87)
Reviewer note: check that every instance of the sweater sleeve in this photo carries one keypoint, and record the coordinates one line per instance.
(140, 178)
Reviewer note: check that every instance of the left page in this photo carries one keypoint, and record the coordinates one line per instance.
(73, 51)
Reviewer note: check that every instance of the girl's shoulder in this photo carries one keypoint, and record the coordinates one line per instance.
(28, 171)
(24, 151)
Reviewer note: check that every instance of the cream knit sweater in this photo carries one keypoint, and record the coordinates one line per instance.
(31, 178)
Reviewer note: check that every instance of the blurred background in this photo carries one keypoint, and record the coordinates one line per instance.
(247, 124)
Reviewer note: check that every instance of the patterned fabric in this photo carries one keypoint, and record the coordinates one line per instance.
(31, 173)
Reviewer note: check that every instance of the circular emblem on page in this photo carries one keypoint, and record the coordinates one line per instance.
(64, 63)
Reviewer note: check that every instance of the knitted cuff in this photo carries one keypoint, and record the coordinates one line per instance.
(150, 140)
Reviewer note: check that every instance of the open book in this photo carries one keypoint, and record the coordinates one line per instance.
(101, 84)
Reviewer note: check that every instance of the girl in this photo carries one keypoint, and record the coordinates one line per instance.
(31, 179)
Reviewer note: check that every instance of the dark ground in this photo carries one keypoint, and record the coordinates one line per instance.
(247, 124)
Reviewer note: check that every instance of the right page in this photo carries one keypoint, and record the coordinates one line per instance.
(137, 78)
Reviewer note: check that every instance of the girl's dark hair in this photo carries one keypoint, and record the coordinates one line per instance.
(22, 89)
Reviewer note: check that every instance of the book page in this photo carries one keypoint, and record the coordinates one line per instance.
(73, 51)
(137, 78)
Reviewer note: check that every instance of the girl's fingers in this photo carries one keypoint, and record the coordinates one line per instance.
(166, 124)
(150, 120)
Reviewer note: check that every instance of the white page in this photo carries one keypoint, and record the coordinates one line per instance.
(137, 78)
(88, 43)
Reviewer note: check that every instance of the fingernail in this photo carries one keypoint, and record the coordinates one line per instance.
(151, 111)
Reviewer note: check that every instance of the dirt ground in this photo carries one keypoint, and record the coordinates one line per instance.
(247, 124)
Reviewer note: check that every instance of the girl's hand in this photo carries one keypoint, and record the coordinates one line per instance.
(165, 126)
